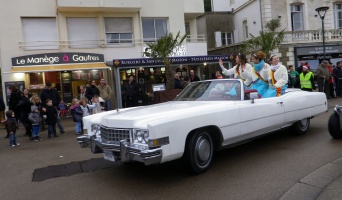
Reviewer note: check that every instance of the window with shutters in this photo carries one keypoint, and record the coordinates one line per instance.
(83, 32)
(118, 30)
(39, 33)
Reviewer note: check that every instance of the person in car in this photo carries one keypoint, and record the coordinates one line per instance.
(259, 73)
(241, 70)
(277, 78)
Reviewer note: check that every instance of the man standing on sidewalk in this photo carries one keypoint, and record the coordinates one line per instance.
(105, 93)
(323, 76)
(51, 93)
(337, 72)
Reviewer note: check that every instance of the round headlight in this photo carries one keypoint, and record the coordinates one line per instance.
(145, 136)
(139, 136)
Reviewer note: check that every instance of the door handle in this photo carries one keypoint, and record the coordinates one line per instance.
(281, 103)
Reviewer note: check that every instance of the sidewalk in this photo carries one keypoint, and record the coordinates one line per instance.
(324, 183)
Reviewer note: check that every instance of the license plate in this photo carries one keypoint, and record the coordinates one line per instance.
(108, 155)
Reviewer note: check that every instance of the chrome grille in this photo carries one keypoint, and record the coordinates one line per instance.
(114, 135)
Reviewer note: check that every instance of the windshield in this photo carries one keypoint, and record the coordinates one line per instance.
(213, 90)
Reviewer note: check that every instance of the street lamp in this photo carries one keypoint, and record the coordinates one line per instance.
(321, 12)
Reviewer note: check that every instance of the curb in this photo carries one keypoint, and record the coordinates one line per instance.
(315, 184)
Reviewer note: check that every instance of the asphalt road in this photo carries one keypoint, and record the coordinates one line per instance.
(263, 169)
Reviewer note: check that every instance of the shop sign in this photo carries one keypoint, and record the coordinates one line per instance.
(57, 59)
(318, 50)
(173, 60)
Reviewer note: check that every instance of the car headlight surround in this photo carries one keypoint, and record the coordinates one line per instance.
(140, 136)
(96, 129)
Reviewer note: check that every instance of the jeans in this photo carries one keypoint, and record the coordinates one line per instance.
(78, 127)
(35, 130)
(52, 130)
(12, 139)
(59, 124)
(107, 105)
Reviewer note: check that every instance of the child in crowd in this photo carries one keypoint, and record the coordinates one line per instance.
(51, 118)
(86, 107)
(77, 114)
(11, 127)
(63, 108)
(96, 101)
(35, 119)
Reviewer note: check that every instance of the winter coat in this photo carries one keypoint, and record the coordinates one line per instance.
(11, 123)
(86, 109)
(76, 113)
(105, 91)
(51, 115)
(34, 117)
(91, 92)
(50, 94)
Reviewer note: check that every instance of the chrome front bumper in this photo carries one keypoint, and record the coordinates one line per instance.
(84, 141)
(126, 152)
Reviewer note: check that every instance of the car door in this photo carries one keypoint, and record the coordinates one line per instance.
(260, 116)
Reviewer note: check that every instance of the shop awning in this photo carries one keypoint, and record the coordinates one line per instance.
(69, 67)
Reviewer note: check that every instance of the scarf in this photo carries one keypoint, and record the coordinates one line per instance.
(259, 66)
(275, 67)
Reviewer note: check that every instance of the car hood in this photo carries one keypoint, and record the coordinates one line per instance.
(141, 116)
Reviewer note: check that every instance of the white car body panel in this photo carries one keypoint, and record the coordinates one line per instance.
(236, 121)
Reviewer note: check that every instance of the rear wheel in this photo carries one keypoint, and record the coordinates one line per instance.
(334, 126)
(301, 126)
(199, 152)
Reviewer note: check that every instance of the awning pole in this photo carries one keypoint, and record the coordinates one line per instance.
(118, 86)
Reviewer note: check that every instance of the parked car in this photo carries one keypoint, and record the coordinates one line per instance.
(205, 117)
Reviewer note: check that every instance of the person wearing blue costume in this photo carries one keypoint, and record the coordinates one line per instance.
(241, 70)
(277, 78)
(259, 73)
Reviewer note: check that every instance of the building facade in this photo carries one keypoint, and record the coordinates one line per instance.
(70, 42)
(302, 25)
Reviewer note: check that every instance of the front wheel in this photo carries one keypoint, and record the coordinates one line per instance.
(334, 126)
(301, 127)
(199, 152)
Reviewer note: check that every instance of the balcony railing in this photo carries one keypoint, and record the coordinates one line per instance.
(311, 36)
(39, 45)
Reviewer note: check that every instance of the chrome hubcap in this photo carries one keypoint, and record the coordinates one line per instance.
(203, 150)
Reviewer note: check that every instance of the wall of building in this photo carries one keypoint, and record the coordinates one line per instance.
(11, 32)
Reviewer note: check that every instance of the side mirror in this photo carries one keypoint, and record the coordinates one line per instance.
(253, 95)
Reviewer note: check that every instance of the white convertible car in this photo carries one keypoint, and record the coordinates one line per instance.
(206, 116)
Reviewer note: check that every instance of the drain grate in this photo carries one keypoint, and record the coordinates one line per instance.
(55, 171)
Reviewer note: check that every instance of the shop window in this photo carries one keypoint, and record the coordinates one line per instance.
(39, 33)
(118, 30)
(338, 15)
(83, 32)
(154, 29)
(297, 17)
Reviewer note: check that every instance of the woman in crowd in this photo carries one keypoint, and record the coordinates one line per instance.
(241, 70)
(277, 78)
(82, 92)
(25, 105)
(259, 74)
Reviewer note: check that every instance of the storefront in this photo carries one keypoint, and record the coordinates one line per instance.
(314, 55)
(66, 72)
(150, 73)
